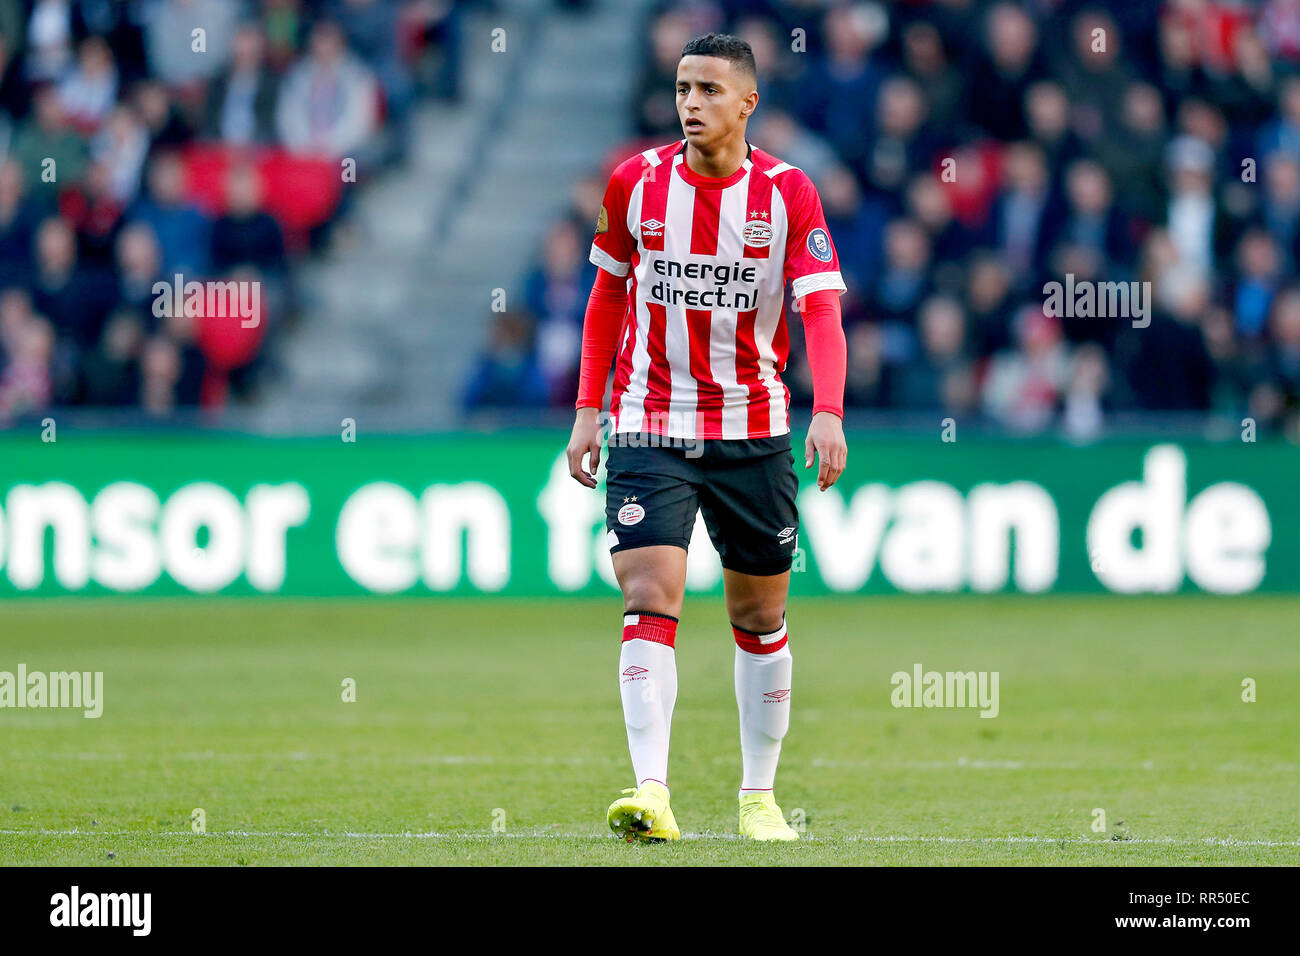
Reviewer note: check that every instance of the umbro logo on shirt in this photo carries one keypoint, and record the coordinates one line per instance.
(652, 227)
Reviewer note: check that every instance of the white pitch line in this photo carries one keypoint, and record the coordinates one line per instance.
(817, 763)
(849, 838)
(1075, 841)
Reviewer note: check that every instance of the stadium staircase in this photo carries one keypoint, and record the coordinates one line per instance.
(391, 322)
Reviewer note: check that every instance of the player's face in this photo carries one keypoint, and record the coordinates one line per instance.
(712, 100)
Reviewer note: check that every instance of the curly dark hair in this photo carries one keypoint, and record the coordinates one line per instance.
(727, 47)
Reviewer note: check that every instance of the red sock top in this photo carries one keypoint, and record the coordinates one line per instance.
(760, 643)
(645, 626)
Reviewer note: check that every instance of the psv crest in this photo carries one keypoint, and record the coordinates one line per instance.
(757, 233)
(631, 513)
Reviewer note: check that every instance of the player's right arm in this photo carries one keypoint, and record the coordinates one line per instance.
(600, 332)
(611, 250)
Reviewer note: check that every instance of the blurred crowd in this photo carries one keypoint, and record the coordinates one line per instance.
(969, 152)
(137, 142)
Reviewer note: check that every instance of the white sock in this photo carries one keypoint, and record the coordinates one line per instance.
(647, 674)
(763, 670)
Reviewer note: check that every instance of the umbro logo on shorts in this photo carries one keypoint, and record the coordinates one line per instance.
(785, 534)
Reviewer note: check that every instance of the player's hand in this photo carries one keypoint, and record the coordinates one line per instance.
(826, 439)
(585, 440)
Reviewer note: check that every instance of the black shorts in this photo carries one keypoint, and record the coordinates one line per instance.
(745, 488)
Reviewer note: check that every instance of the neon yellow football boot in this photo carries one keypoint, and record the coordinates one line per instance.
(761, 819)
(645, 815)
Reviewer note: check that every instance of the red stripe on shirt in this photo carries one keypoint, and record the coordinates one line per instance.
(659, 383)
(658, 376)
(759, 417)
(699, 322)
(623, 364)
(781, 346)
(758, 206)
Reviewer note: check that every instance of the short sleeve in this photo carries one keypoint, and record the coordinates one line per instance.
(612, 247)
(811, 262)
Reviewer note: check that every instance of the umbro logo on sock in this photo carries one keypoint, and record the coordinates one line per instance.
(634, 673)
(775, 696)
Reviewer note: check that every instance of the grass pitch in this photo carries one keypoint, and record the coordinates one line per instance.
(491, 732)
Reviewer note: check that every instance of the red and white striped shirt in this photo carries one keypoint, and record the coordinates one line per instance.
(703, 348)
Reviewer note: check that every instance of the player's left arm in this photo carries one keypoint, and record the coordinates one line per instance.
(813, 268)
(828, 361)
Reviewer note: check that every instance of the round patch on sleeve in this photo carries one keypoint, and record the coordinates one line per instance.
(819, 244)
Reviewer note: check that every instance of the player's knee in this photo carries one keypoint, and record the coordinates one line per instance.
(756, 614)
(647, 594)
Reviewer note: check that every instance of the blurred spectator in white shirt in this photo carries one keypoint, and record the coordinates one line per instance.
(328, 104)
